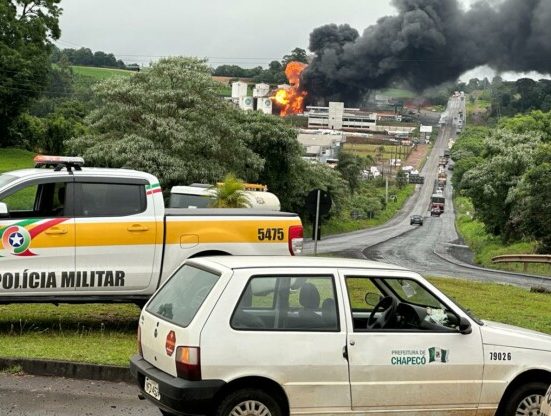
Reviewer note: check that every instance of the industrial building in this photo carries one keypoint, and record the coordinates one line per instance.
(260, 100)
(319, 147)
(336, 117)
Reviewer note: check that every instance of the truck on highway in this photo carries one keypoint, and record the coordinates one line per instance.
(73, 234)
(437, 202)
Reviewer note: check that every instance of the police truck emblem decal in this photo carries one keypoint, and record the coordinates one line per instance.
(16, 239)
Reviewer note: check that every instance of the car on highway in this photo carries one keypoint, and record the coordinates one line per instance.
(416, 219)
(435, 212)
(278, 336)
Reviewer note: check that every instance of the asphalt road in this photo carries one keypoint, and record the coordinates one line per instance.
(52, 396)
(432, 249)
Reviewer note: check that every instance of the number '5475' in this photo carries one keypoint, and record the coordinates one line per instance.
(271, 234)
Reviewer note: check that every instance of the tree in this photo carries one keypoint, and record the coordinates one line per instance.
(27, 28)
(350, 167)
(230, 194)
(297, 54)
(532, 208)
(170, 122)
(491, 184)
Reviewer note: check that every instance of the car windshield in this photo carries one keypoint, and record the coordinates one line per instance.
(181, 297)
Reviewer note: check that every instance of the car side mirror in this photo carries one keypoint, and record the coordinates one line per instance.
(4, 210)
(372, 299)
(465, 326)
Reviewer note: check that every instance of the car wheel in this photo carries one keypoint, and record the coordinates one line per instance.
(249, 402)
(526, 400)
(165, 413)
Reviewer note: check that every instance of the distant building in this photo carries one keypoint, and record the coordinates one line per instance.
(321, 147)
(336, 117)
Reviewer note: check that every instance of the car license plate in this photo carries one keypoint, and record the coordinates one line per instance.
(152, 388)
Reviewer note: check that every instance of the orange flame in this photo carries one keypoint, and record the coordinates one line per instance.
(291, 100)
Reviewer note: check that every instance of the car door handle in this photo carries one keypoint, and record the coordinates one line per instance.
(137, 228)
(56, 231)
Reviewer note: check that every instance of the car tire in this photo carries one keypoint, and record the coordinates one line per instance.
(165, 413)
(526, 399)
(250, 402)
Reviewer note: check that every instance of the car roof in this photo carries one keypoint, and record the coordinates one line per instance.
(104, 172)
(249, 262)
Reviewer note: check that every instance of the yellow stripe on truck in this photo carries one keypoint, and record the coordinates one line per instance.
(117, 233)
(245, 231)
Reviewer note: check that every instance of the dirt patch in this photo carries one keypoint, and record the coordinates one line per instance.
(417, 156)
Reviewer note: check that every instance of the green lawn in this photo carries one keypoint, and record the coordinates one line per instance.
(106, 334)
(103, 334)
(100, 73)
(12, 159)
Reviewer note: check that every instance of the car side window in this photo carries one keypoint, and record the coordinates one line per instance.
(286, 303)
(405, 305)
(38, 200)
(110, 199)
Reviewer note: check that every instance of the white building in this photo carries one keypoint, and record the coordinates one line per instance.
(239, 90)
(261, 90)
(321, 147)
(337, 117)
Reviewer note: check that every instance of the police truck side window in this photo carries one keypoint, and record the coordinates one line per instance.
(110, 199)
(38, 200)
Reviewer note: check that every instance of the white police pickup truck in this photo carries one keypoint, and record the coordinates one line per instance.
(272, 336)
(74, 234)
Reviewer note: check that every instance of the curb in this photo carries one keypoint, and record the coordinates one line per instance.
(69, 369)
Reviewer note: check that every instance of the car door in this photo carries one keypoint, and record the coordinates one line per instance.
(286, 328)
(421, 362)
(37, 237)
(116, 235)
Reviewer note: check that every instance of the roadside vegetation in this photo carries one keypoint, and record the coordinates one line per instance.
(506, 174)
(486, 246)
(74, 332)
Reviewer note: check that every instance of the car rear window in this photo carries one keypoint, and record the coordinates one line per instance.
(181, 297)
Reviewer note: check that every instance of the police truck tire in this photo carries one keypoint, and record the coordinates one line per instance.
(250, 402)
(525, 398)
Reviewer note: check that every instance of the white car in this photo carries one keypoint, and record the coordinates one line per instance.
(273, 336)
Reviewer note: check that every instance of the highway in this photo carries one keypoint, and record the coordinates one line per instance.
(433, 249)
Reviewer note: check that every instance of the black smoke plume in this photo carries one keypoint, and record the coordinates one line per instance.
(429, 42)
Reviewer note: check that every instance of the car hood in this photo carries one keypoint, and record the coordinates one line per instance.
(507, 335)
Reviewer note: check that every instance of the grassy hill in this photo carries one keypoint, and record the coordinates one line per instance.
(100, 73)
(12, 159)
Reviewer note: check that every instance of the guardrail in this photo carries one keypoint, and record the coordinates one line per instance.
(523, 258)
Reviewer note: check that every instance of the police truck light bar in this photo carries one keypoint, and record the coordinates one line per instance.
(42, 160)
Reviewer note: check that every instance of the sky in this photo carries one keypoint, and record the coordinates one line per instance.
(244, 32)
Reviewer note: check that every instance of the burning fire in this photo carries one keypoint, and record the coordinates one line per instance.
(291, 100)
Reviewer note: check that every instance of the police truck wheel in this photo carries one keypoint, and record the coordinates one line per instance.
(249, 402)
(526, 400)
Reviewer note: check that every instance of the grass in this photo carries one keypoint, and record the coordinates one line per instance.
(524, 309)
(387, 151)
(13, 159)
(106, 334)
(485, 245)
(100, 74)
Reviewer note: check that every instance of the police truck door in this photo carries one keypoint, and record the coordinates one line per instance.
(116, 233)
(37, 237)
